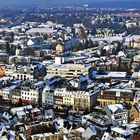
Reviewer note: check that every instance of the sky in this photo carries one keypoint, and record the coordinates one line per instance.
(54, 1)
(67, 2)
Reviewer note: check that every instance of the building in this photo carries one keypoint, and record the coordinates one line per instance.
(121, 132)
(135, 42)
(7, 92)
(100, 121)
(135, 113)
(4, 57)
(48, 96)
(81, 83)
(16, 95)
(2, 70)
(29, 93)
(117, 113)
(29, 72)
(69, 71)
(59, 48)
(76, 99)
(24, 73)
(48, 91)
(115, 96)
(137, 97)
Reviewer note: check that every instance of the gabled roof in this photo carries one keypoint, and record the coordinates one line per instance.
(137, 106)
(115, 107)
(89, 132)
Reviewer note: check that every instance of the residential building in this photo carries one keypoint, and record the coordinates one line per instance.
(29, 72)
(59, 48)
(115, 96)
(48, 91)
(117, 113)
(134, 114)
(16, 95)
(4, 57)
(100, 121)
(7, 92)
(137, 97)
(75, 99)
(29, 93)
(121, 132)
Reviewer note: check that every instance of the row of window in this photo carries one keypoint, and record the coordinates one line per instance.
(78, 96)
(31, 94)
(27, 98)
(15, 98)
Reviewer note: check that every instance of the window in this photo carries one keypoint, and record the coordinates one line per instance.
(72, 70)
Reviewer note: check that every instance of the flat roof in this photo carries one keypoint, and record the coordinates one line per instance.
(69, 66)
(121, 131)
(117, 74)
(41, 30)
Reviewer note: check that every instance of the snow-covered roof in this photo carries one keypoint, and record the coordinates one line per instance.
(121, 131)
(89, 132)
(3, 55)
(121, 53)
(59, 123)
(106, 136)
(108, 39)
(41, 30)
(14, 110)
(30, 42)
(115, 107)
(117, 74)
(9, 88)
(80, 129)
(135, 75)
(132, 125)
(20, 114)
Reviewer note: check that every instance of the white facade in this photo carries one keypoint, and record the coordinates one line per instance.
(47, 96)
(118, 113)
(7, 92)
(25, 76)
(30, 95)
(137, 97)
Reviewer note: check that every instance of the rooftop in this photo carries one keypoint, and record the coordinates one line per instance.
(121, 131)
(41, 30)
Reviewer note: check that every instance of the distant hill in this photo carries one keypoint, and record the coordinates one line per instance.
(92, 3)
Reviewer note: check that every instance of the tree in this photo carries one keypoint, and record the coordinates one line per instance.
(7, 47)
(103, 52)
(119, 47)
(114, 52)
(47, 57)
(108, 129)
(20, 103)
(12, 36)
(81, 32)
